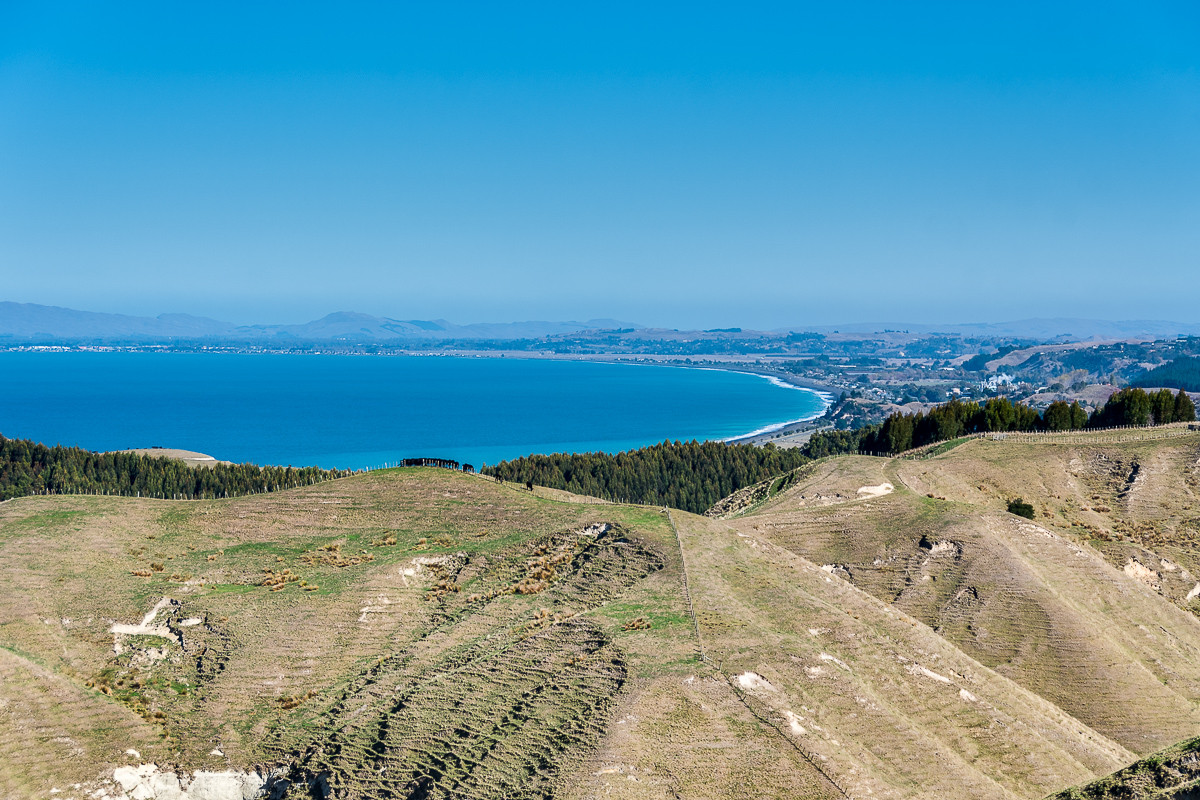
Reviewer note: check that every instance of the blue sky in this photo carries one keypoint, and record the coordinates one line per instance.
(690, 165)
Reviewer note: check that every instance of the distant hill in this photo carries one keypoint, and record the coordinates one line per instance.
(1068, 329)
(32, 323)
(29, 322)
(1182, 373)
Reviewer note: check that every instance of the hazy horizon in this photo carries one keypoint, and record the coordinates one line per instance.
(690, 167)
(846, 325)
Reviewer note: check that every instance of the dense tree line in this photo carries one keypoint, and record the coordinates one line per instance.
(687, 475)
(693, 476)
(1182, 373)
(30, 468)
(900, 432)
(1134, 406)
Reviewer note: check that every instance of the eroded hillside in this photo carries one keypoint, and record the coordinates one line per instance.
(876, 628)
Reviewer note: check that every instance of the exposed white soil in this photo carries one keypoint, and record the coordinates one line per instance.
(876, 491)
(595, 530)
(149, 782)
(917, 669)
(752, 681)
(1139, 571)
(835, 660)
(147, 626)
(945, 547)
(380, 606)
(1194, 593)
(793, 722)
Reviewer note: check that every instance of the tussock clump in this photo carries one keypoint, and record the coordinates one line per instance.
(529, 586)
(639, 624)
(331, 555)
(277, 580)
(442, 588)
(288, 702)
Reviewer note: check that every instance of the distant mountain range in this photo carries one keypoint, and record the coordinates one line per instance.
(29, 322)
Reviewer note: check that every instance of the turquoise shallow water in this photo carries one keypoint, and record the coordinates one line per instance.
(364, 411)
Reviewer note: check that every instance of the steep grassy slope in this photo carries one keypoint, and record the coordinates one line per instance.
(413, 622)
(1138, 504)
(421, 633)
(1063, 613)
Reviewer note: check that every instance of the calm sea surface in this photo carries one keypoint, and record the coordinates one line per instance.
(363, 411)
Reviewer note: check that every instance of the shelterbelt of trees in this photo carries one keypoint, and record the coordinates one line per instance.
(1182, 373)
(693, 475)
(688, 475)
(901, 432)
(30, 468)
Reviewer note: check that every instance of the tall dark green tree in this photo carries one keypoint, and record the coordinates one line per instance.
(1079, 417)
(1131, 406)
(1185, 409)
(1057, 416)
(1162, 407)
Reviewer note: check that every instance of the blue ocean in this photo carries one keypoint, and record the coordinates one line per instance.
(365, 411)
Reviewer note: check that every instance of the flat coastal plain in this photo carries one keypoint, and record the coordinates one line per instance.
(866, 627)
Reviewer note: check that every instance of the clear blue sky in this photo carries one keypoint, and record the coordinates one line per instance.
(684, 165)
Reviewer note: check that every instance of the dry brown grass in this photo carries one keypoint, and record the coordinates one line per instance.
(920, 644)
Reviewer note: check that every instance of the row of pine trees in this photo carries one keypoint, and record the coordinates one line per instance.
(687, 475)
(900, 432)
(30, 468)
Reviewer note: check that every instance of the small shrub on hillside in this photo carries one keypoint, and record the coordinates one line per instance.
(1020, 508)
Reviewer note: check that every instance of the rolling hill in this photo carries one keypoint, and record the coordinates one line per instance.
(32, 323)
(875, 628)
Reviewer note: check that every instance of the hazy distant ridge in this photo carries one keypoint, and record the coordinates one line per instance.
(29, 322)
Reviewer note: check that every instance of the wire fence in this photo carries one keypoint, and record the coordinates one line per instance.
(687, 595)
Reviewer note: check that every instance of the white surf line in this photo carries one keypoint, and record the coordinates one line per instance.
(826, 399)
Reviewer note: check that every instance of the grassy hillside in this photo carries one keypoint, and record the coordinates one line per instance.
(423, 633)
